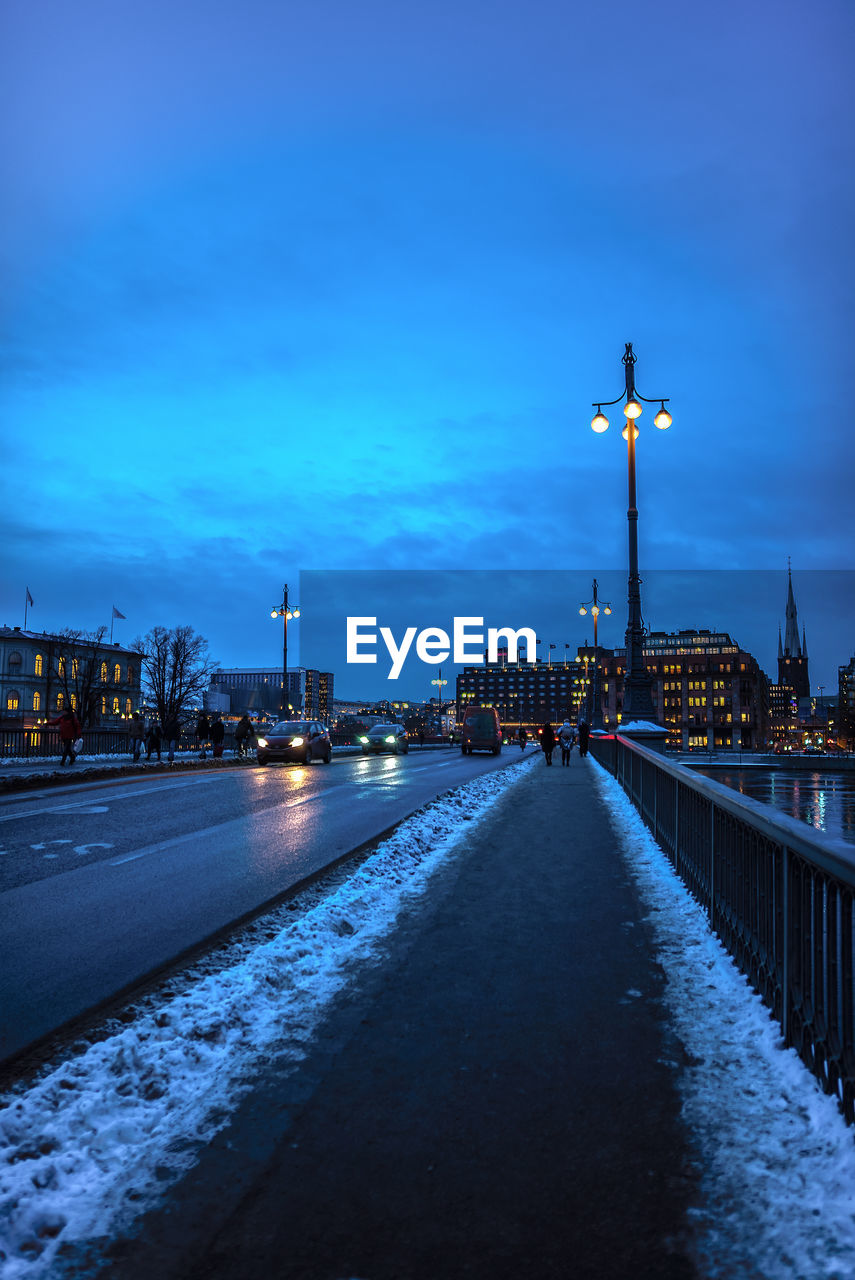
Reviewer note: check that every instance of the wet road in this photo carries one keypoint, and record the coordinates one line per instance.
(102, 884)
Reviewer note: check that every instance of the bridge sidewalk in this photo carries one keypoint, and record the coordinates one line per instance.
(492, 1102)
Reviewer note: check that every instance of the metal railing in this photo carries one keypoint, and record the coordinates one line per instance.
(780, 899)
(29, 744)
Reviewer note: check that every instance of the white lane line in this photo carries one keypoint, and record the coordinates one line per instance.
(84, 805)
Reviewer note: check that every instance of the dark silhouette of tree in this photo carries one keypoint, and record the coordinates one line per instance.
(176, 668)
(82, 671)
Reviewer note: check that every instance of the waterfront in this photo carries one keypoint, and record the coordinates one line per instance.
(821, 798)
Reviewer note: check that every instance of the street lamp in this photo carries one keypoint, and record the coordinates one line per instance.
(440, 682)
(286, 612)
(637, 696)
(594, 607)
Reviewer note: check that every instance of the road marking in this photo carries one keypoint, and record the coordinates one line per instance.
(98, 844)
(44, 844)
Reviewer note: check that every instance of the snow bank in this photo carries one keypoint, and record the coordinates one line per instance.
(777, 1160)
(91, 1144)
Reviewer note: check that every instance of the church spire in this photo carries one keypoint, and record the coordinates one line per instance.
(792, 648)
(780, 646)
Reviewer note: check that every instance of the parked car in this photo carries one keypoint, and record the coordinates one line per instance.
(385, 737)
(481, 731)
(300, 741)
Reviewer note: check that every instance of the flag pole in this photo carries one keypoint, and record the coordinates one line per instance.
(26, 602)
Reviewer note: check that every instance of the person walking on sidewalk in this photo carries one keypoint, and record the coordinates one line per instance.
(566, 738)
(243, 733)
(584, 733)
(153, 739)
(203, 729)
(69, 732)
(136, 734)
(171, 735)
(547, 741)
(523, 738)
(218, 733)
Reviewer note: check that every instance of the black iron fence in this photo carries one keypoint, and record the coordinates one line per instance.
(40, 743)
(780, 901)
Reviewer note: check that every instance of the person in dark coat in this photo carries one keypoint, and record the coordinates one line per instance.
(584, 733)
(203, 730)
(171, 735)
(69, 732)
(218, 733)
(243, 733)
(547, 742)
(523, 738)
(566, 738)
(153, 739)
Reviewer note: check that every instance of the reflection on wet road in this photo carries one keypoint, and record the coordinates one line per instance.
(823, 800)
(102, 883)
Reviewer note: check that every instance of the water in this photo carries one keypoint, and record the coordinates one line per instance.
(821, 799)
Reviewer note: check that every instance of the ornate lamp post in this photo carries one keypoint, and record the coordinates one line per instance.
(440, 682)
(637, 696)
(286, 612)
(594, 607)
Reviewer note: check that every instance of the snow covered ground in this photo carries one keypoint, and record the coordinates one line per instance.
(96, 1139)
(777, 1161)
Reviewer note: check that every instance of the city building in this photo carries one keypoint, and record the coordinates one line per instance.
(846, 705)
(783, 715)
(259, 690)
(708, 692)
(42, 674)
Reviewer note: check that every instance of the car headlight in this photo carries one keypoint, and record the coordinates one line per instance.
(262, 742)
(363, 739)
(391, 737)
(296, 742)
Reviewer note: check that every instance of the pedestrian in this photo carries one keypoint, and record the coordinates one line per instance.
(566, 738)
(153, 739)
(69, 732)
(218, 733)
(136, 734)
(522, 737)
(243, 733)
(547, 741)
(584, 733)
(171, 735)
(203, 730)
(421, 737)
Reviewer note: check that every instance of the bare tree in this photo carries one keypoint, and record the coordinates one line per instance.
(176, 668)
(79, 670)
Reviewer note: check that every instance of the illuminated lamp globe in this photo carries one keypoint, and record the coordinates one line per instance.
(662, 419)
(600, 422)
(625, 432)
(607, 609)
(583, 611)
(274, 613)
(632, 409)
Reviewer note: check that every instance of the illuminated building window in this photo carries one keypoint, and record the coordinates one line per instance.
(60, 666)
(74, 702)
(39, 664)
(103, 704)
(37, 701)
(12, 700)
(103, 673)
(117, 674)
(115, 706)
(74, 668)
(127, 706)
(60, 701)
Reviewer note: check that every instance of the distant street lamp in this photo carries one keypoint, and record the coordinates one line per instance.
(637, 696)
(593, 606)
(286, 612)
(439, 682)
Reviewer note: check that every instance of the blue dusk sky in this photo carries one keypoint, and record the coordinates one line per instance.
(323, 286)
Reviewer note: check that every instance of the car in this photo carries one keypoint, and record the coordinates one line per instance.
(385, 737)
(481, 731)
(297, 741)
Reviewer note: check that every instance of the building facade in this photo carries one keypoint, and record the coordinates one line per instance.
(259, 691)
(42, 674)
(846, 705)
(707, 692)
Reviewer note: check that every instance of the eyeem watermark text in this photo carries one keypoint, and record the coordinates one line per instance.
(434, 645)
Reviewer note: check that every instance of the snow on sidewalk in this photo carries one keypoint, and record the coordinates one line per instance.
(777, 1159)
(97, 1139)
